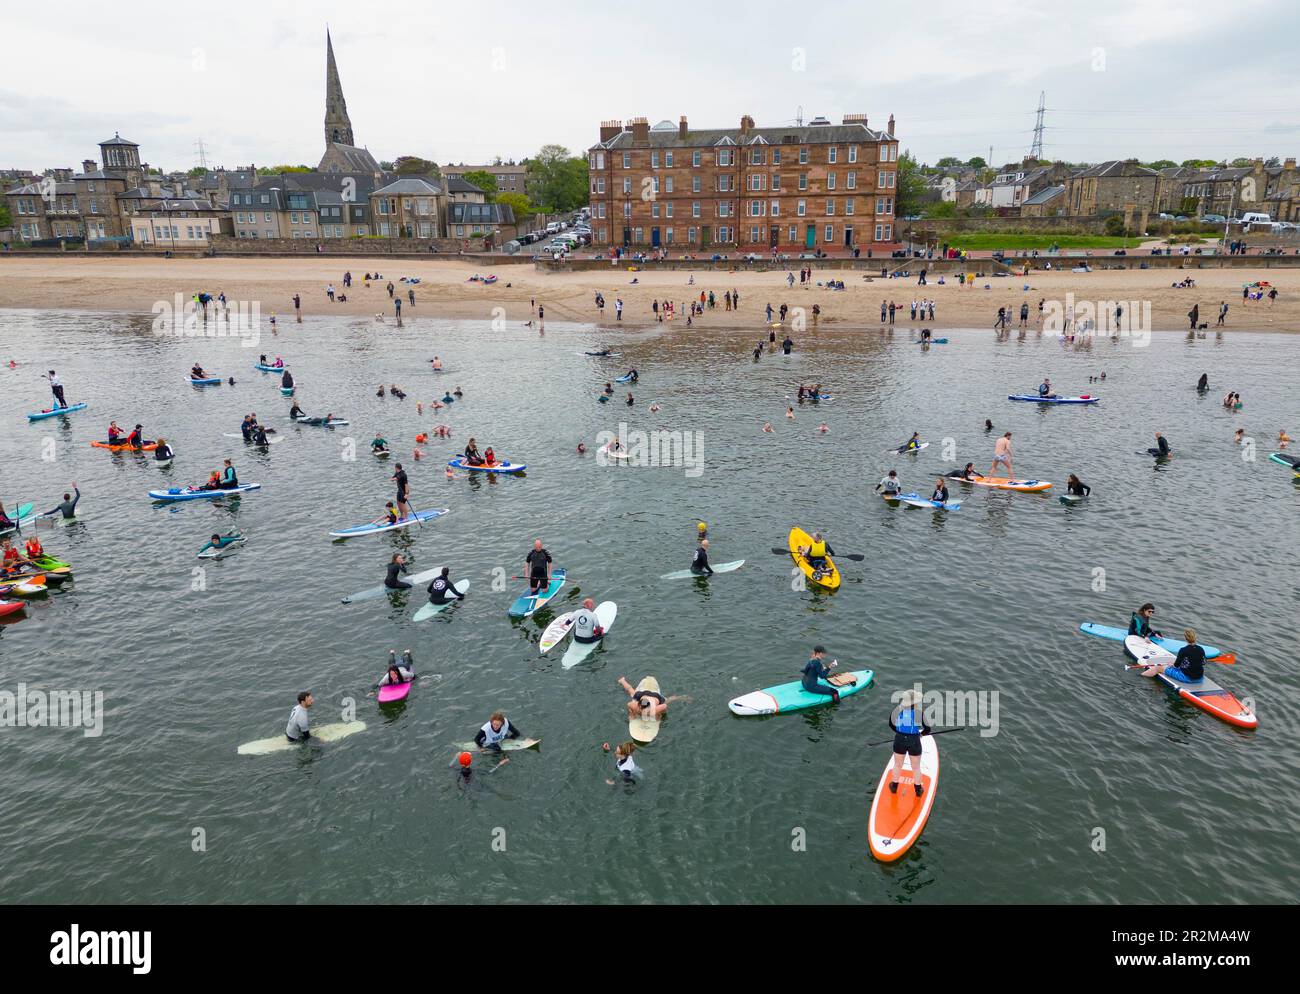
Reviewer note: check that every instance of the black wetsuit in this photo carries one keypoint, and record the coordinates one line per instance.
(68, 507)
(392, 581)
(1138, 625)
(1078, 489)
(813, 671)
(441, 591)
(700, 564)
(1191, 662)
(538, 560)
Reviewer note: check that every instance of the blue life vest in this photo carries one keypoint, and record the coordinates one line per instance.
(908, 722)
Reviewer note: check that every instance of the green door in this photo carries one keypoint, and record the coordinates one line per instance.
(810, 236)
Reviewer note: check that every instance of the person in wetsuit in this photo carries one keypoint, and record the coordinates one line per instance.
(403, 672)
(163, 452)
(1203, 383)
(286, 381)
(472, 455)
(68, 506)
(1076, 487)
(296, 412)
(392, 577)
(814, 670)
(1188, 666)
(1161, 448)
(908, 725)
(966, 473)
(912, 443)
(538, 566)
(787, 345)
(219, 542)
(379, 443)
(442, 590)
(228, 478)
(700, 562)
(1140, 623)
(495, 731)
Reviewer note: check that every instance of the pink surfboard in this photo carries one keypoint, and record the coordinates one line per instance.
(394, 692)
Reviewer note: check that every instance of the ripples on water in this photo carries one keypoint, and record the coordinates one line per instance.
(987, 598)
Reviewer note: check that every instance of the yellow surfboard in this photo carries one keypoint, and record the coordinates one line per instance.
(827, 576)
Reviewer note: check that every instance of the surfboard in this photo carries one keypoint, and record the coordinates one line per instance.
(902, 450)
(556, 631)
(644, 729)
(322, 733)
(1204, 693)
(792, 697)
(606, 612)
(683, 574)
(372, 592)
(509, 745)
(897, 818)
(392, 692)
(430, 609)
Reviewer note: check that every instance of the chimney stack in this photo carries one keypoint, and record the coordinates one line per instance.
(640, 131)
(856, 119)
(1289, 163)
(681, 127)
(746, 125)
(891, 125)
(87, 165)
(608, 129)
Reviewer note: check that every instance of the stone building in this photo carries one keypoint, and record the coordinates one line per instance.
(511, 178)
(795, 189)
(1272, 190)
(408, 207)
(1112, 187)
(179, 224)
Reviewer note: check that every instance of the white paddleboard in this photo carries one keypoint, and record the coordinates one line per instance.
(683, 574)
(430, 609)
(509, 745)
(606, 612)
(644, 729)
(555, 632)
(371, 593)
(904, 451)
(229, 549)
(322, 733)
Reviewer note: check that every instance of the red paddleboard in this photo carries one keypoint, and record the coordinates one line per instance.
(390, 692)
(10, 607)
(897, 818)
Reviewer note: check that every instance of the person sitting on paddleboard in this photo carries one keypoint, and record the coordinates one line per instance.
(967, 473)
(586, 626)
(633, 375)
(442, 590)
(816, 551)
(379, 443)
(163, 452)
(472, 456)
(1161, 448)
(1140, 623)
(912, 443)
(495, 731)
(1076, 487)
(218, 542)
(489, 457)
(538, 566)
(1187, 667)
(398, 673)
(390, 514)
(296, 412)
(940, 494)
(299, 727)
(286, 381)
(115, 436)
(890, 485)
(396, 566)
(68, 507)
(1045, 389)
(700, 562)
(279, 363)
(628, 771)
(196, 372)
(228, 478)
(908, 725)
(815, 670)
(214, 481)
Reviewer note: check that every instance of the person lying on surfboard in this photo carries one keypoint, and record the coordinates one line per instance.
(909, 725)
(538, 566)
(647, 703)
(495, 731)
(1140, 623)
(219, 541)
(1187, 667)
(912, 443)
(817, 551)
(396, 566)
(966, 473)
(442, 590)
(398, 673)
(700, 561)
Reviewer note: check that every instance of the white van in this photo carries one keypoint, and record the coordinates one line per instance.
(1254, 217)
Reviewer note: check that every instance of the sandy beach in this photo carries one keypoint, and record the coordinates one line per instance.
(133, 285)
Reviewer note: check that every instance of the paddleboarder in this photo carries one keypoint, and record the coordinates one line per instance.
(442, 590)
(815, 669)
(495, 731)
(1002, 454)
(299, 727)
(1076, 487)
(403, 490)
(379, 443)
(537, 564)
(228, 478)
(396, 567)
(908, 725)
(586, 626)
(700, 562)
(68, 506)
(56, 388)
(1188, 666)
(1140, 623)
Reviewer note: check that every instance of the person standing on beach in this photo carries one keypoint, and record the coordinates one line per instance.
(892, 308)
(297, 307)
(1223, 313)
(618, 308)
(1193, 316)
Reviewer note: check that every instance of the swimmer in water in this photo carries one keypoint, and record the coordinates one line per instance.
(767, 427)
(789, 413)
(823, 429)
(582, 449)
(654, 408)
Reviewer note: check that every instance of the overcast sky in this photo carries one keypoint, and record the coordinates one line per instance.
(1149, 79)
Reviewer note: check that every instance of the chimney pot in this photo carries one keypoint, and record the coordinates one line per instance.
(681, 127)
(891, 125)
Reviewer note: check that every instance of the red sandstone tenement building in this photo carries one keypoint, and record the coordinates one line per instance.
(797, 189)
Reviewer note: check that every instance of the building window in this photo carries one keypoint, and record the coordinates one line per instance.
(627, 160)
(880, 229)
(268, 220)
(654, 209)
(776, 182)
(695, 209)
(801, 208)
(830, 181)
(832, 154)
(690, 235)
(627, 184)
(851, 180)
(668, 162)
(756, 208)
(460, 230)
(640, 235)
(726, 157)
(627, 209)
(803, 155)
(695, 184)
(803, 181)
(830, 233)
(602, 210)
(776, 208)
(600, 185)
(668, 184)
(755, 156)
(654, 159)
(830, 206)
(853, 153)
(695, 162)
(668, 235)
(848, 205)
(754, 234)
(668, 209)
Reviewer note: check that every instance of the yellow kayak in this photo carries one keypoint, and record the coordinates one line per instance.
(827, 576)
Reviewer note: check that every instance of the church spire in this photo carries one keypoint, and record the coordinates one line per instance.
(338, 128)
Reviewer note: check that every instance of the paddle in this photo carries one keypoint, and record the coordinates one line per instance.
(856, 557)
(943, 731)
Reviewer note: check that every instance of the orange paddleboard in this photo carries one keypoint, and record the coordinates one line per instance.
(897, 818)
(1005, 483)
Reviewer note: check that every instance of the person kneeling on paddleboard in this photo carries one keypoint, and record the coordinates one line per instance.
(908, 725)
(586, 627)
(815, 670)
(379, 443)
(1187, 667)
(1140, 623)
(442, 590)
(538, 565)
(700, 564)
(298, 729)
(396, 566)
(398, 674)
(496, 730)
(890, 484)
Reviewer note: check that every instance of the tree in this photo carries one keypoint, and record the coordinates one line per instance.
(911, 186)
(1114, 225)
(977, 162)
(519, 203)
(6, 220)
(198, 171)
(413, 165)
(1161, 164)
(1198, 163)
(1241, 162)
(485, 181)
(559, 180)
(949, 162)
(277, 170)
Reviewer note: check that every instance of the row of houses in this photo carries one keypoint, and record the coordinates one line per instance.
(1034, 189)
(123, 200)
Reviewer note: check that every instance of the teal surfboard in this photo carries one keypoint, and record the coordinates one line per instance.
(1120, 634)
(792, 696)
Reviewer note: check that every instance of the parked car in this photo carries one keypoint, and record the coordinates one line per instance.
(1214, 219)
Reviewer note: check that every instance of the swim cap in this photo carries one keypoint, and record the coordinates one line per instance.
(702, 526)
(465, 759)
